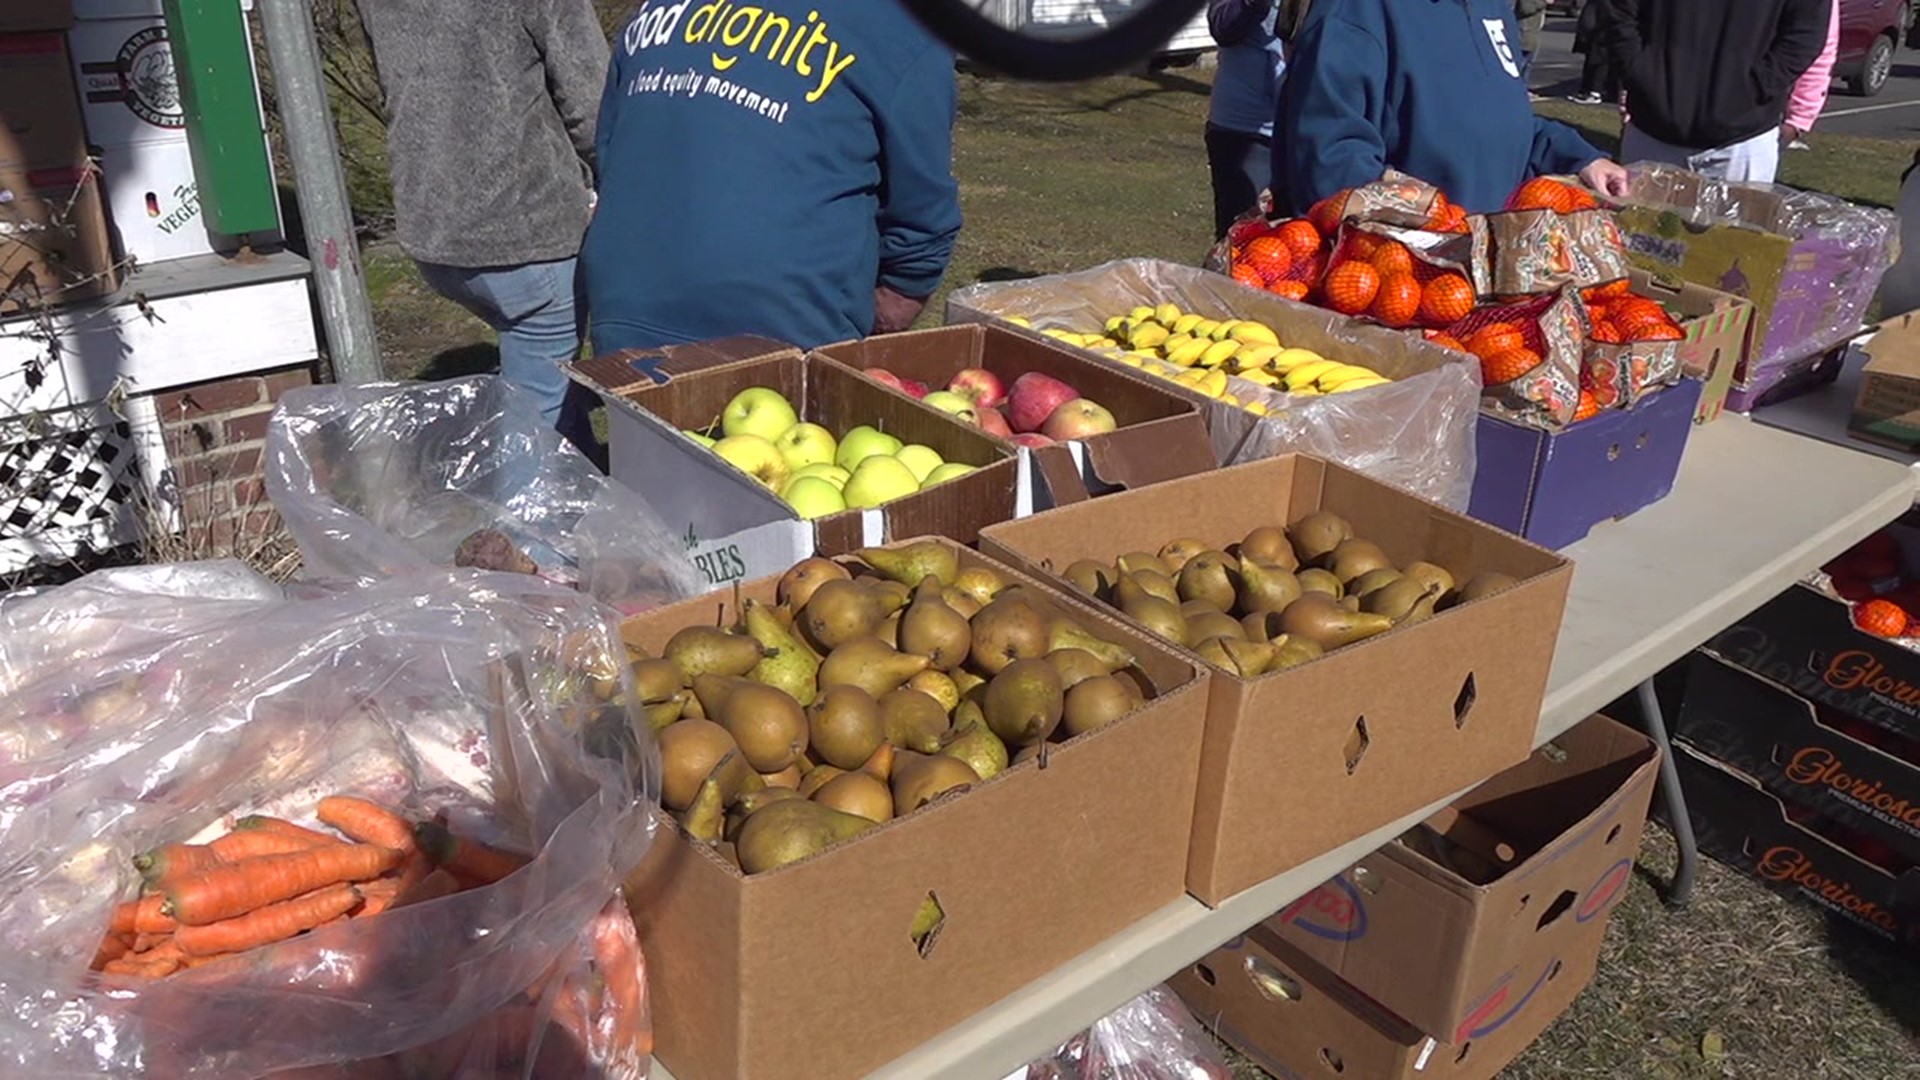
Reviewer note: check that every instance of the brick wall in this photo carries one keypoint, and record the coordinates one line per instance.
(215, 436)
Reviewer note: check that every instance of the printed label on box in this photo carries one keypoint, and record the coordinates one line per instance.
(141, 77)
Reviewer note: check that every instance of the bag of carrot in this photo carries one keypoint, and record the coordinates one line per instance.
(350, 831)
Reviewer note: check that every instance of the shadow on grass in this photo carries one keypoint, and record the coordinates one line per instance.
(476, 359)
(1888, 975)
(1005, 273)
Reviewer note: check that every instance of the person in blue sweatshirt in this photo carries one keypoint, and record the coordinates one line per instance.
(1252, 59)
(782, 168)
(1433, 88)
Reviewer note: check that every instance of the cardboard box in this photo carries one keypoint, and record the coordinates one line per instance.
(735, 528)
(1161, 435)
(1300, 761)
(129, 90)
(39, 107)
(1298, 1021)
(809, 971)
(1719, 335)
(53, 240)
(1738, 823)
(1553, 487)
(1887, 410)
(1805, 641)
(1808, 755)
(1540, 853)
(25, 15)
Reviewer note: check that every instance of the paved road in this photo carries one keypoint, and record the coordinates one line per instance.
(1892, 114)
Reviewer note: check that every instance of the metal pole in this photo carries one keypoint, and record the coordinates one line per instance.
(321, 185)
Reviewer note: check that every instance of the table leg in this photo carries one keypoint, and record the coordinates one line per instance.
(1688, 865)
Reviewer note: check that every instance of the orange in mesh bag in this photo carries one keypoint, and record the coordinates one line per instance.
(1425, 278)
(1530, 356)
(1633, 345)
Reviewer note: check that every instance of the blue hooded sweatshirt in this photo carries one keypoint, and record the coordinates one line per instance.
(1432, 88)
(762, 167)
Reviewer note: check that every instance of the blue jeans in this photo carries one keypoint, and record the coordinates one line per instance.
(536, 309)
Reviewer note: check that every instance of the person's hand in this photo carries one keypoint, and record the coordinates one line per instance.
(893, 312)
(1788, 134)
(1607, 177)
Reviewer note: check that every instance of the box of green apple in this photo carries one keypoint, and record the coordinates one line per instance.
(762, 456)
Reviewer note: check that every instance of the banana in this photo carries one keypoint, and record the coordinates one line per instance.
(1167, 314)
(1130, 359)
(1204, 328)
(1253, 356)
(1141, 314)
(1287, 359)
(1231, 400)
(1148, 336)
(1185, 323)
(1116, 325)
(1305, 391)
(1223, 329)
(1259, 377)
(1333, 380)
(1218, 353)
(1214, 383)
(1302, 376)
(1059, 334)
(1188, 351)
(1019, 320)
(1257, 408)
(1253, 333)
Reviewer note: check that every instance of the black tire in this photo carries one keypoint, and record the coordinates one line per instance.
(1875, 70)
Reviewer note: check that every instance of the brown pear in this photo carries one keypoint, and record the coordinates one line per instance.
(871, 665)
(788, 777)
(688, 752)
(709, 650)
(705, 818)
(1266, 588)
(1064, 633)
(790, 830)
(838, 612)
(1130, 587)
(661, 713)
(1292, 652)
(1431, 574)
(1006, 630)
(817, 778)
(1315, 536)
(962, 602)
(918, 779)
(1405, 601)
(656, 680)
(1320, 581)
(691, 709)
(1141, 560)
(1484, 584)
(889, 631)
(1075, 665)
(889, 596)
(1236, 656)
(1160, 617)
(1321, 620)
(931, 628)
(1373, 579)
(1090, 577)
(975, 744)
(913, 721)
(1210, 577)
(859, 794)
(1178, 553)
(766, 723)
(909, 564)
(1355, 557)
(1261, 626)
(979, 582)
(747, 805)
(880, 764)
(1268, 544)
(1350, 602)
(1097, 702)
(1212, 624)
(711, 690)
(968, 683)
(937, 685)
(844, 728)
(797, 585)
(1023, 703)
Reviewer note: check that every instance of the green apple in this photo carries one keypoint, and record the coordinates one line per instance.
(879, 479)
(952, 470)
(862, 443)
(832, 474)
(813, 497)
(704, 440)
(807, 444)
(758, 411)
(756, 457)
(950, 402)
(921, 459)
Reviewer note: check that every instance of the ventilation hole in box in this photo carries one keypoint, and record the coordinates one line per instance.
(926, 925)
(1613, 834)
(1554, 971)
(1332, 1060)
(1524, 901)
(1641, 442)
(1357, 744)
(1504, 852)
(1206, 974)
(1560, 906)
(1273, 984)
(1613, 452)
(1366, 880)
(1461, 1057)
(1463, 702)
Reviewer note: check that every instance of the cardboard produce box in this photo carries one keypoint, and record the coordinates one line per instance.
(1742, 825)
(737, 529)
(810, 971)
(53, 239)
(39, 106)
(1449, 925)
(1161, 436)
(21, 15)
(1843, 769)
(1299, 1021)
(1300, 761)
(1887, 410)
(1414, 432)
(1805, 640)
(1719, 335)
(1553, 487)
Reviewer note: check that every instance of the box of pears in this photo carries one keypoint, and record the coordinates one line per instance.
(897, 787)
(1372, 653)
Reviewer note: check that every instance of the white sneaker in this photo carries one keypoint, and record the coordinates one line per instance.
(1587, 98)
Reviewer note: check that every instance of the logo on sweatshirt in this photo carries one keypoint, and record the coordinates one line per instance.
(1502, 48)
(732, 32)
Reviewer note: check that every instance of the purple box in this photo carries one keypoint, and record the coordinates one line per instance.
(1554, 487)
(1776, 384)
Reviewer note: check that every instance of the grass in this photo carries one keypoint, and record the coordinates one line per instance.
(1060, 178)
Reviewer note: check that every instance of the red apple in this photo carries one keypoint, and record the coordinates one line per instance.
(1034, 397)
(1078, 419)
(1031, 441)
(914, 388)
(992, 421)
(981, 386)
(887, 378)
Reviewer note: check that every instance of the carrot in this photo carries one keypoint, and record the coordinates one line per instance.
(112, 947)
(146, 915)
(377, 896)
(190, 962)
(471, 861)
(268, 924)
(432, 887)
(264, 823)
(237, 888)
(254, 843)
(367, 822)
(148, 942)
(172, 862)
(616, 953)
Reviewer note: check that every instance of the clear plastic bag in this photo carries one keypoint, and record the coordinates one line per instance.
(1152, 1037)
(372, 480)
(484, 697)
(1416, 432)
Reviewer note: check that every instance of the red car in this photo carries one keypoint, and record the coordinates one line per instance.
(1871, 31)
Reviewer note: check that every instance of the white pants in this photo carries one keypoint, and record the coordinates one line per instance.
(1756, 159)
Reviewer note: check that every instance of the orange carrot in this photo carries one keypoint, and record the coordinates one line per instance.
(432, 887)
(148, 942)
(190, 962)
(112, 947)
(146, 915)
(237, 888)
(471, 861)
(377, 896)
(254, 843)
(367, 822)
(266, 925)
(264, 823)
(172, 862)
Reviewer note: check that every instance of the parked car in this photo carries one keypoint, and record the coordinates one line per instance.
(1871, 31)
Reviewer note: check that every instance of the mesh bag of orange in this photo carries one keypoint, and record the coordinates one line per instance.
(1553, 232)
(1633, 345)
(1530, 354)
(1403, 277)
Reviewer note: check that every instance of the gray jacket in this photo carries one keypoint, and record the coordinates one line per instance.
(493, 105)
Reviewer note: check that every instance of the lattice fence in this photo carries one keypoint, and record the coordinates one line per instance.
(70, 483)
